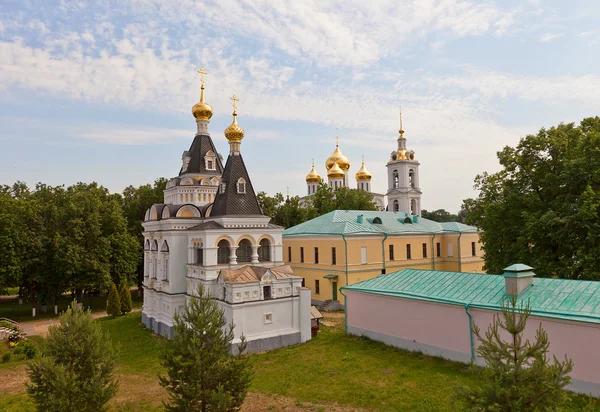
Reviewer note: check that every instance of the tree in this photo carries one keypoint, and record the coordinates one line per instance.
(125, 298)
(519, 376)
(134, 203)
(543, 207)
(75, 371)
(201, 372)
(113, 304)
(440, 215)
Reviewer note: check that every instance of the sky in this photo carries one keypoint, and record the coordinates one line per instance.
(102, 90)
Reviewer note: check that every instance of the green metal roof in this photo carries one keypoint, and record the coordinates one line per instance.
(346, 222)
(554, 298)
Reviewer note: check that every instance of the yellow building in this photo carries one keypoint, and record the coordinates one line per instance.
(347, 246)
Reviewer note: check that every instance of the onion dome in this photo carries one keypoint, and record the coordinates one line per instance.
(363, 173)
(313, 176)
(202, 110)
(234, 132)
(337, 157)
(335, 172)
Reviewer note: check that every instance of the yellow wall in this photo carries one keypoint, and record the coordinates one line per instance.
(357, 271)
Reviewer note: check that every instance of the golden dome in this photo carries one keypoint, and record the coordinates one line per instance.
(335, 172)
(234, 132)
(337, 157)
(313, 176)
(202, 110)
(363, 173)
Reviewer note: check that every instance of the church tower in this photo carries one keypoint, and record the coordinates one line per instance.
(201, 167)
(404, 193)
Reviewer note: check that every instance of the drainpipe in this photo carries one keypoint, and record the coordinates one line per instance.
(383, 252)
(470, 332)
(433, 251)
(346, 255)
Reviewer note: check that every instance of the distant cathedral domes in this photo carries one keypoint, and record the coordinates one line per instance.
(313, 176)
(335, 172)
(363, 173)
(337, 157)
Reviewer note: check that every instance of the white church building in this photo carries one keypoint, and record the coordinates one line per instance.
(403, 194)
(210, 230)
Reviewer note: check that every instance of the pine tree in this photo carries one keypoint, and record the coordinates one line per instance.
(75, 371)
(125, 296)
(113, 304)
(519, 376)
(202, 374)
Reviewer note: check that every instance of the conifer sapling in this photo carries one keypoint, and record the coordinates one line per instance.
(113, 304)
(125, 296)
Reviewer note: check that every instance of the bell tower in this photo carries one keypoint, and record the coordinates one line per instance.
(404, 193)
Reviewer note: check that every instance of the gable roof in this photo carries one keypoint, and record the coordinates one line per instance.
(231, 202)
(346, 222)
(200, 146)
(554, 298)
(248, 274)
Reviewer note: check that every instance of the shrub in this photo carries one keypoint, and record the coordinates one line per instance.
(201, 372)
(6, 357)
(8, 325)
(29, 349)
(18, 349)
(75, 371)
(113, 305)
(125, 296)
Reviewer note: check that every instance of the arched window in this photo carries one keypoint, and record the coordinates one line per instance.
(165, 247)
(408, 220)
(241, 186)
(377, 220)
(396, 206)
(264, 251)
(396, 181)
(244, 251)
(223, 251)
(413, 207)
(411, 178)
(154, 246)
(147, 245)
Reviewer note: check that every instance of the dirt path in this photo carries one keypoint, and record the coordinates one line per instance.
(40, 327)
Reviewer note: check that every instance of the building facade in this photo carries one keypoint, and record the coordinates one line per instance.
(434, 312)
(344, 247)
(210, 231)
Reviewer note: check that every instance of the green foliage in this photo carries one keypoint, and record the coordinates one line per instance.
(441, 215)
(519, 375)
(201, 372)
(75, 371)
(125, 298)
(6, 357)
(113, 304)
(8, 325)
(29, 349)
(543, 207)
(293, 211)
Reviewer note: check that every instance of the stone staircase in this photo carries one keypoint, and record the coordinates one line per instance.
(330, 305)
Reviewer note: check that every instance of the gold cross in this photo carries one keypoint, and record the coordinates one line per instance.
(337, 141)
(235, 100)
(313, 162)
(401, 130)
(363, 159)
(202, 73)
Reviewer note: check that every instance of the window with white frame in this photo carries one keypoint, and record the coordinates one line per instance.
(268, 318)
(209, 160)
(241, 186)
(166, 269)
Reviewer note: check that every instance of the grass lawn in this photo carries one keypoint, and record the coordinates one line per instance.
(20, 313)
(333, 370)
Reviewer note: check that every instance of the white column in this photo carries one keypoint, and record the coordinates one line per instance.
(304, 315)
(232, 256)
(254, 256)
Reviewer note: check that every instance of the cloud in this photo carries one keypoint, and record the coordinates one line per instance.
(550, 36)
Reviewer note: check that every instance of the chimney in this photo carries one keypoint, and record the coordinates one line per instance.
(359, 218)
(415, 219)
(517, 278)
